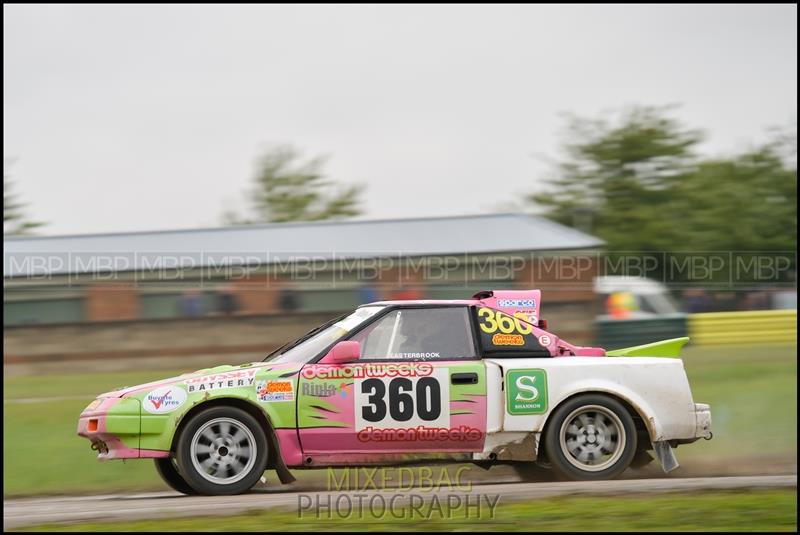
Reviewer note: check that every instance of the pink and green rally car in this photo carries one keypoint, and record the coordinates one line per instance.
(477, 380)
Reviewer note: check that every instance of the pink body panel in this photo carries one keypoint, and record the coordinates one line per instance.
(467, 429)
(289, 444)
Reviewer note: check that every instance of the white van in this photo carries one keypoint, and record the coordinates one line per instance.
(646, 297)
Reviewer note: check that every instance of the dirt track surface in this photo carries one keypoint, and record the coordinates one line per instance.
(32, 511)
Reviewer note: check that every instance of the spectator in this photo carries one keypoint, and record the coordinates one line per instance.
(620, 305)
(288, 300)
(367, 294)
(408, 293)
(697, 300)
(227, 303)
(758, 300)
(191, 303)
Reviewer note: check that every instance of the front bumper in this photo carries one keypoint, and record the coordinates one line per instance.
(113, 426)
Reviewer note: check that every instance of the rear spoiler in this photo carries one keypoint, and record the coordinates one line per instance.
(664, 348)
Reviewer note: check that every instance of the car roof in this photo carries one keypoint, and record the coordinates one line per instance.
(423, 302)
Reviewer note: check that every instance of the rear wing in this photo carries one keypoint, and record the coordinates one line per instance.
(664, 348)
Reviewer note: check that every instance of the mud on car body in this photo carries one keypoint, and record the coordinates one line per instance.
(478, 380)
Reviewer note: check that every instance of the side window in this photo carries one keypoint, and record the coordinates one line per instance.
(418, 334)
(501, 333)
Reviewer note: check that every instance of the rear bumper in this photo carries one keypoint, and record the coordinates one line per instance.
(702, 419)
(112, 425)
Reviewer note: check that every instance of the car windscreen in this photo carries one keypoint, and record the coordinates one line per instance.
(310, 344)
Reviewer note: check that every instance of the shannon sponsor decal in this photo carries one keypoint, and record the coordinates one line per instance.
(527, 391)
(165, 399)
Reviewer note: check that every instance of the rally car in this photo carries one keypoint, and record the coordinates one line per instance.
(478, 380)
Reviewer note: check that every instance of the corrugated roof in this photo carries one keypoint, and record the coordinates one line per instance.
(284, 242)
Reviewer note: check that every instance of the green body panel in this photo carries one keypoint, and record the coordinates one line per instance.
(157, 431)
(123, 420)
(281, 414)
(314, 411)
(138, 428)
(465, 392)
(664, 348)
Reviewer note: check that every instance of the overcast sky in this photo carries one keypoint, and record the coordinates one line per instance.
(150, 117)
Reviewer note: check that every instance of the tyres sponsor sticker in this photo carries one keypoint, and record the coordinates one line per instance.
(275, 390)
(526, 392)
(164, 399)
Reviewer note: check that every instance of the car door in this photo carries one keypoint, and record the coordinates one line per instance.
(419, 386)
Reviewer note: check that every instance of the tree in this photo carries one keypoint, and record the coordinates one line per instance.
(639, 185)
(14, 219)
(287, 189)
(617, 179)
(744, 203)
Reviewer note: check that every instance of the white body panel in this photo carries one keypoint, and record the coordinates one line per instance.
(657, 388)
(495, 398)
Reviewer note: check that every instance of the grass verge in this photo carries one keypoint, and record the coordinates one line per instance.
(757, 510)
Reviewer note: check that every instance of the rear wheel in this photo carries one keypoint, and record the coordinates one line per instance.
(590, 437)
(168, 471)
(222, 450)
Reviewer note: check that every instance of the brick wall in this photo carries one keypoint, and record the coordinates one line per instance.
(111, 302)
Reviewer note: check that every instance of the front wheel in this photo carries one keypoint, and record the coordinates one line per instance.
(166, 468)
(590, 437)
(222, 451)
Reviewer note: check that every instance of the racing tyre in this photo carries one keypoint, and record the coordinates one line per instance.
(221, 451)
(166, 468)
(590, 437)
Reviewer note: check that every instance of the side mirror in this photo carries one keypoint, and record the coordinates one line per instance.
(343, 352)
